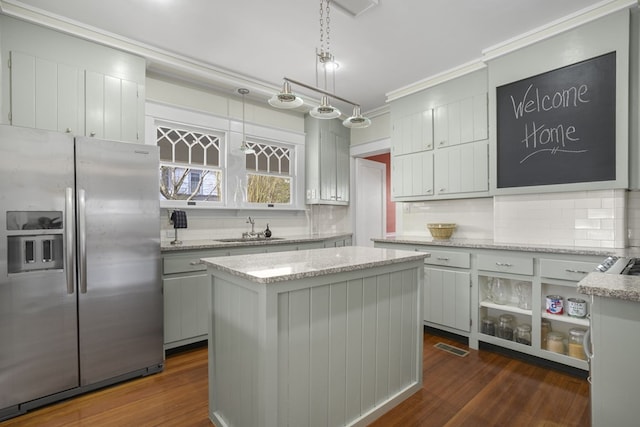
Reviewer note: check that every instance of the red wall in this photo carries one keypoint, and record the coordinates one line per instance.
(391, 206)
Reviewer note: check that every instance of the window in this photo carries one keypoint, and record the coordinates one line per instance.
(269, 173)
(202, 167)
(190, 164)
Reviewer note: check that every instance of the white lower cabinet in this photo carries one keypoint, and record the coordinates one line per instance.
(447, 290)
(447, 298)
(185, 285)
(185, 308)
(466, 285)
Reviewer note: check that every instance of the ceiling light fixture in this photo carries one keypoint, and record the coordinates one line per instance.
(244, 148)
(286, 99)
(326, 66)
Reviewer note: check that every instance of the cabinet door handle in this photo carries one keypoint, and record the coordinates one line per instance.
(442, 259)
(428, 190)
(504, 264)
(570, 270)
(68, 130)
(443, 142)
(196, 262)
(92, 134)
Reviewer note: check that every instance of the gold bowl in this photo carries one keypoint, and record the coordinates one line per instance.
(441, 231)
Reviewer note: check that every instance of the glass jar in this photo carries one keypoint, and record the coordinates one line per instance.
(505, 327)
(545, 328)
(488, 326)
(523, 290)
(500, 290)
(555, 342)
(523, 334)
(576, 347)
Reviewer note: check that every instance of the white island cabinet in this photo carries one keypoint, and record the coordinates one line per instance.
(327, 337)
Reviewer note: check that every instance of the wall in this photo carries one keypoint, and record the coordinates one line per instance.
(380, 129)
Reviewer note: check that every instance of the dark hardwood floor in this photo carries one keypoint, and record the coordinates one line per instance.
(482, 389)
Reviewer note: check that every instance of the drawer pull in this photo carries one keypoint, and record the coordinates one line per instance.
(442, 258)
(196, 262)
(570, 270)
(504, 264)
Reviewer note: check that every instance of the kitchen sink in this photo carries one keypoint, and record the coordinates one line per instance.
(248, 239)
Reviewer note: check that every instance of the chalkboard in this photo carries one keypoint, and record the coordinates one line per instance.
(558, 127)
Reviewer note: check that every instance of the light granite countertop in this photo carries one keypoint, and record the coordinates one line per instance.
(618, 286)
(283, 266)
(189, 245)
(490, 244)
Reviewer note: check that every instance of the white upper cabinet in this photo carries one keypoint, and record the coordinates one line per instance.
(439, 141)
(462, 169)
(412, 133)
(412, 175)
(59, 97)
(59, 82)
(461, 121)
(45, 95)
(113, 107)
(327, 162)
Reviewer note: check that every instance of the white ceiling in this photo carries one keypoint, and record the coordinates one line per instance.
(392, 44)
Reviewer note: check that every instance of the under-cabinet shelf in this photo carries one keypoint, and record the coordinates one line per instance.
(505, 307)
(567, 319)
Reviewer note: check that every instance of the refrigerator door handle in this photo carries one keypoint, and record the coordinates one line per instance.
(69, 240)
(82, 242)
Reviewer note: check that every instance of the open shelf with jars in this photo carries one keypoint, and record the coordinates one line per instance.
(505, 310)
(564, 320)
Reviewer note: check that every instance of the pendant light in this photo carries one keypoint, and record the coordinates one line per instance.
(357, 120)
(286, 99)
(325, 110)
(244, 148)
(326, 66)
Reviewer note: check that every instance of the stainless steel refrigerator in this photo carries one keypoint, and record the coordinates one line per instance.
(80, 285)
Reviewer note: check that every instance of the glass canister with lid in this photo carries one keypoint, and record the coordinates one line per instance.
(576, 346)
(555, 342)
(545, 328)
(505, 327)
(488, 326)
(523, 334)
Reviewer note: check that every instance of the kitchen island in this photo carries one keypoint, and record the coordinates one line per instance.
(314, 337)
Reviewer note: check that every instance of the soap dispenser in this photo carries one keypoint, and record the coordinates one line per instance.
(267, 232)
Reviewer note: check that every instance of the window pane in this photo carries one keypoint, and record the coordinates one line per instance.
(269, 158)
(179, 183)
(182, 152)
(197, 155)
(284, 165)
(166, 149)
(268, 189)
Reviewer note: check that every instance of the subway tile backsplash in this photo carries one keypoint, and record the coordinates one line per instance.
(599, 218)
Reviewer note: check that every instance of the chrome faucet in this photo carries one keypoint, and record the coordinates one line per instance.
(252, 233)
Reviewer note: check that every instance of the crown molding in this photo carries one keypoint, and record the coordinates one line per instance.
(157, 59)
(581, 17)
(558, 26)
(459, 71)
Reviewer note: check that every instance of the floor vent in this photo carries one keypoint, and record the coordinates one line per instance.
(451, 349)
